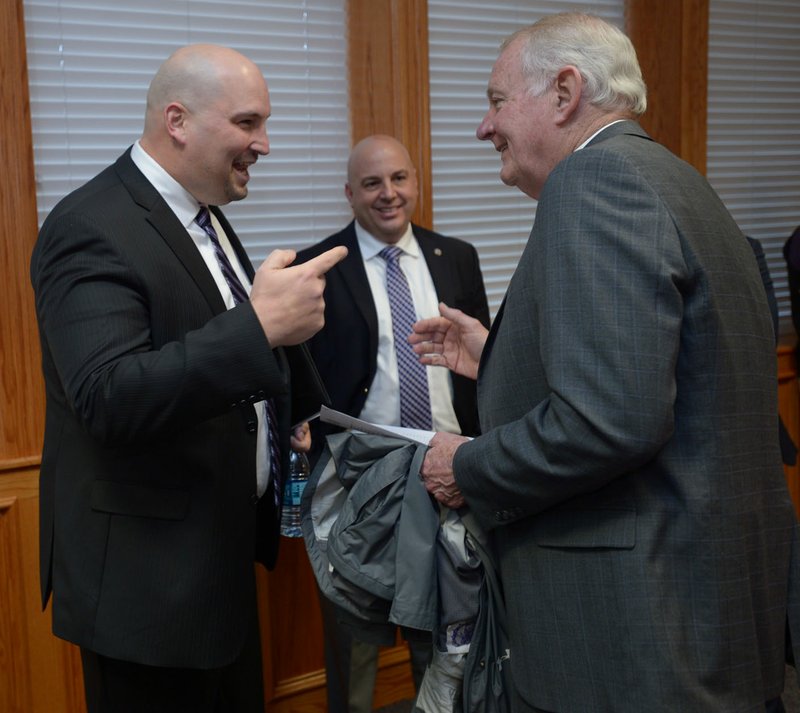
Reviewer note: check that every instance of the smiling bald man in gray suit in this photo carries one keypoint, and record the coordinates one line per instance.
(629, 471)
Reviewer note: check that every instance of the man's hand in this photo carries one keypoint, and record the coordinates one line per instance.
(288, 300)
(300, 438)
(437, 469)
(453, 340)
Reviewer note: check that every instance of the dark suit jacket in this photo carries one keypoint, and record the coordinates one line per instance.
(148, 510)
(628, 469)
(346, 349)
(788, 448)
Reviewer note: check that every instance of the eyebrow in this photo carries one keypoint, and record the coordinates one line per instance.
(378, 178)
(249, 113)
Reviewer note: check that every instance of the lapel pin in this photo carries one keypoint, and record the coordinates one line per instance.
(437, 252)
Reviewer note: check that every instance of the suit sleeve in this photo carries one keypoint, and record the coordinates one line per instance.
(98, 315)
(480, 306)
(600, 284)
(766, 279)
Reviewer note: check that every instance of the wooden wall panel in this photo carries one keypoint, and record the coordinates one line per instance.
(291, 625)
(389, 89)
(38, 673)
(21, 392)
(15, 678)
(671, 40)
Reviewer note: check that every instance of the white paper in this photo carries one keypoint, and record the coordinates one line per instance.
(306, 420)
(337, 418)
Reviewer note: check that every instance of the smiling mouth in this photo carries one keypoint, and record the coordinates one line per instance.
(242, 167)
(388, 211)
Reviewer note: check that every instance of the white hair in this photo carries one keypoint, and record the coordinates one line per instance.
(601, 52)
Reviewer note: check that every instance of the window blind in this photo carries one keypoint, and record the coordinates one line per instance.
(90, 63)
(469, 200)
(754, 123)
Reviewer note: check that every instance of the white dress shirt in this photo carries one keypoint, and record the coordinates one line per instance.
(383, 400)
(186, 207)
(603, 128)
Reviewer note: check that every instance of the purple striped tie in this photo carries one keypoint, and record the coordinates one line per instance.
(415, 402)
(203, 219)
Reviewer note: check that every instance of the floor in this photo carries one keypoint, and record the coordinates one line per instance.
(402, 707)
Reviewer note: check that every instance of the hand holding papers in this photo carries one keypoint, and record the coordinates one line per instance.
(437, 469)
(337, 418)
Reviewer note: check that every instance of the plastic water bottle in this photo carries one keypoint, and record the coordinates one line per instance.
(299, 470)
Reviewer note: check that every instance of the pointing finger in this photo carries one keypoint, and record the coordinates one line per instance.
(323, 263)
(278, 259)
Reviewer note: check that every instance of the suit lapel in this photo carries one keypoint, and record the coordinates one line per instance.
(354, 276)
(487, 347)
(161, 217)
(438, 264)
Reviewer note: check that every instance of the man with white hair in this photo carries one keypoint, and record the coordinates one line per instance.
(628, 469)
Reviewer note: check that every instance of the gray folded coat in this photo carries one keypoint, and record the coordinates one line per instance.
(370, 530)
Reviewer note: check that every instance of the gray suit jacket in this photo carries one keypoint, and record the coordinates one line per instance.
(629, 468)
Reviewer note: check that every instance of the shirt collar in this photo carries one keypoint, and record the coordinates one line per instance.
(597, 132)
(182, 203)
(370, 246)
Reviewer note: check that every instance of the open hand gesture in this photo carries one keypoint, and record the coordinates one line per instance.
(453, 340)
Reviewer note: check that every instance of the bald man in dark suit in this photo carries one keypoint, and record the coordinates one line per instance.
(166, 365)
(356, 350)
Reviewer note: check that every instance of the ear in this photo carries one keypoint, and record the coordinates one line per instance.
(569, 87)
(348, 192)
(175, 119)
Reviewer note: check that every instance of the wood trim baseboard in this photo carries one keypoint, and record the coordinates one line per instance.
(16, 464)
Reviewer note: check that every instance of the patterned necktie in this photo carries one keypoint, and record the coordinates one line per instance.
(415, 402)
(203, 219)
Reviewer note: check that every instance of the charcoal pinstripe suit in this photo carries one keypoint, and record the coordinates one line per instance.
(149, 520)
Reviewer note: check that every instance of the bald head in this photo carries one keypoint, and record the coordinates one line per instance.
(205, 124)
(193, 76)
(377, 144)
(382, 187)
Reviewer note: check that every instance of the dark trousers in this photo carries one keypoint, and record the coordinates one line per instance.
(351, 666)
(114, 686)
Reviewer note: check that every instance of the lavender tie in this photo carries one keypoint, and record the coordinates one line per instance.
(415, 402)
(203, 219)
